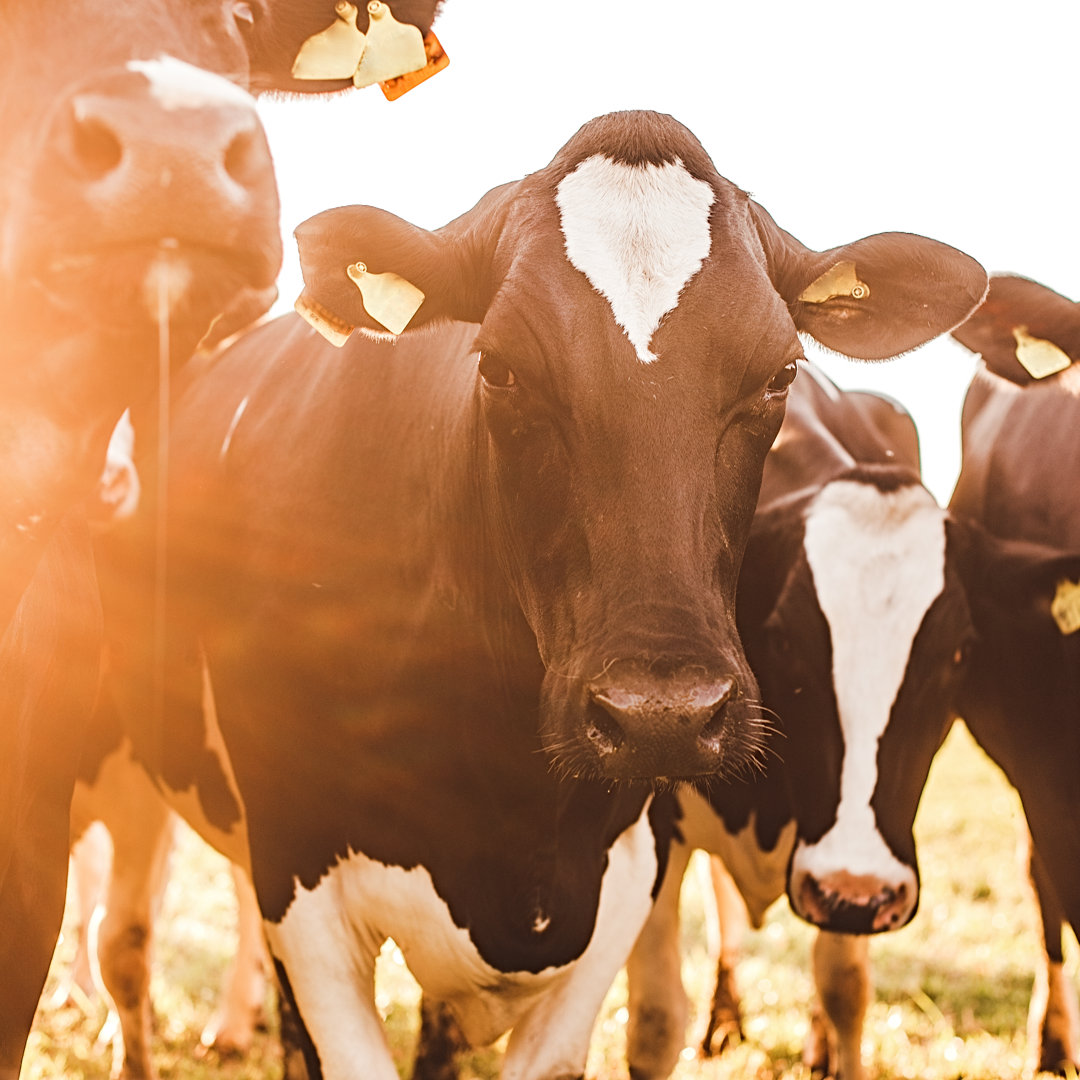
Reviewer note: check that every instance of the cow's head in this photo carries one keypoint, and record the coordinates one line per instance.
(1024, 331)
(855, 616)
(137, 189)
(639, 326)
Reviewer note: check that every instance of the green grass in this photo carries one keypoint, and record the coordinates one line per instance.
(951, 988)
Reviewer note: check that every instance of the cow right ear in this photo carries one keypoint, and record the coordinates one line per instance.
(365, 267)
(1023, 330)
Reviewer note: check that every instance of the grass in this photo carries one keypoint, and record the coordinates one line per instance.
(952, 987)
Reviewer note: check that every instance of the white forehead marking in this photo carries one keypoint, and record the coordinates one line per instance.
(179, 85)
(878, 563)
(639, 233)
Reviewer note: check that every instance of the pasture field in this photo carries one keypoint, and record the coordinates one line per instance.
(951, 988)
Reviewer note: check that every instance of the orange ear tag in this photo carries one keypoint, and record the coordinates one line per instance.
(1038, 357)
(393, 48)
(1065, 606)
(333, 328)
(436, 61)
(841, 280)
(333, 53)
(388, 298)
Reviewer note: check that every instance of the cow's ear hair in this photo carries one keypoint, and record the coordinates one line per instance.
(874, 298)
(1019, 322)
(453, 267)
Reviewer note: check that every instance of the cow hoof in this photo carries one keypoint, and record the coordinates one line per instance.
(1055, 1058)
(721, 1034)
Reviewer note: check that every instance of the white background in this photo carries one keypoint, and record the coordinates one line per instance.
(953, 118)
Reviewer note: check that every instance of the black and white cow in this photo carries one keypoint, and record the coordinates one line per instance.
(1021, 468)
(462, 598)
(854, 616)
(137, 191)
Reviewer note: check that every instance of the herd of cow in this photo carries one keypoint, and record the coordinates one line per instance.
(468, 633)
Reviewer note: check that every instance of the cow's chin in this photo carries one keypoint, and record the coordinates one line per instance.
(127, 291)
(583, 743)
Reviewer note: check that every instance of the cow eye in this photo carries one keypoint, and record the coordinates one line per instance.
(783, 378)
(496, 372)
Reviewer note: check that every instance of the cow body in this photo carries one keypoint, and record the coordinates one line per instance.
(460, 599)
(138, 205)
(1020, 468)
(853, 610)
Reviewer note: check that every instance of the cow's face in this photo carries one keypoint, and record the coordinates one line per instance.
(860, 657)
(137, 197)
(639, 319)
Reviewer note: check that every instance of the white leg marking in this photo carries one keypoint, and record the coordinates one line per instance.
(330, 936)
(842, 978)
(552, 1039)
(878, 563)
(179, 85)
(639, 233)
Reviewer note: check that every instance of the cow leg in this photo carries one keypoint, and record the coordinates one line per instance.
(842, 977)
(91, 857)
(142, 841)
(656, 1028)
(441, 1040)
(242, 1005)
(327, 975)
(725, 1024)
(1053, 1022)
(32, 894)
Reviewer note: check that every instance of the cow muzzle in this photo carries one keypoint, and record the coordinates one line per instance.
(149, 178)
(851, 900)
(637, 724)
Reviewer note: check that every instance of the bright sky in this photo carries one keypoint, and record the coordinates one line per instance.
(951, 118)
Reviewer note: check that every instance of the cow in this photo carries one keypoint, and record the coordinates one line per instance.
(1020, 468)
(456, 602)
(137, 206)
(852, 607)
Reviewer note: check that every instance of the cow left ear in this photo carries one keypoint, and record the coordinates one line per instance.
(364, 267)
(877, 297)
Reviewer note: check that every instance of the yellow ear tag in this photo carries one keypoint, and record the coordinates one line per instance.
(333, 53)
(841, 280)
(333, 328)
(394, 48)
(389, 299)
(1039, 358)
(1065, 606)
(436, 60)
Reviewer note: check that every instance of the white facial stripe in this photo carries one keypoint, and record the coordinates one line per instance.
(178, 85)
(331, 934)
(878, 563)
(639, 233)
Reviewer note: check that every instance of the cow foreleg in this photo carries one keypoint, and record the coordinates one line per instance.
(441, 1040)
(327, 974)
(656, 1028)
(141, 846)
(1053, 1022)
(842, 977)
(242, 1005)
(725, 1024)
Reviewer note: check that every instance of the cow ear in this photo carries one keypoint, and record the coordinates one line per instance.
(1023, 330)
(877, 297)
(365, 267)
(1024, 583)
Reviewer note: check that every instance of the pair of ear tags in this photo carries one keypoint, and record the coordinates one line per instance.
(388, 298)
(392, 53)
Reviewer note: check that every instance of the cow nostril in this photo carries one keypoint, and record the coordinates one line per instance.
(245, 159)
(97, 148)
(712, 730)
(602, 729)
